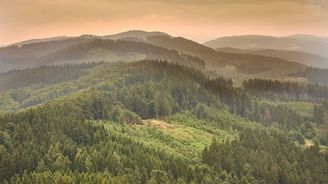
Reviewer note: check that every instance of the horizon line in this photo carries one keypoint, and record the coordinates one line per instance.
(68, 36)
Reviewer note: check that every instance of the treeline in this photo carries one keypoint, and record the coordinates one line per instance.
(266, 156)
(58, 138)
(240, 102)
(314, 75)
(62, 141)
(43, 75)
(320, 111)
(59, 142)
(288, 90)
(124, 47)
(321, 117)
(151, 90)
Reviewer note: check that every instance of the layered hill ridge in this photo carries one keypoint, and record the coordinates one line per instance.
(28, 53)
(119, 50)
(304, 58)
(139, 34)
(128, 34)
(40, 40)
(26, 56)
(303, 43)
(244, 63)
(137, 45)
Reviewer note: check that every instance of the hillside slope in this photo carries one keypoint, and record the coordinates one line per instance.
(26, 54)
(243, 63)
(311, 44)
(94, 132)
(304, 58)
(147, 45)
(139, 34)
(119, 50)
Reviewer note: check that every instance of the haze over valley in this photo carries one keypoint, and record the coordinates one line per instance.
(237, 63)
(164, 92)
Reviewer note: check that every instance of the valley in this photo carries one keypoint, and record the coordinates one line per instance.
(138, 45)
(164, 92)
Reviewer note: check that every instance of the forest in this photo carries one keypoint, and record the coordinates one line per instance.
(153, 121)
(163, 92)
(135, 123)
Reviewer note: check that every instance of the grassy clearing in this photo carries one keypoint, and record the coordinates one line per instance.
(186, 139)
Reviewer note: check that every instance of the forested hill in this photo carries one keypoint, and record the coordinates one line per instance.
(314, 75)
(136, 45)
(244, 63)
(44, 75)
(26, 56)
(302, 43)
(304, 58)
(119, 50)
(155, 122)
(86, 50)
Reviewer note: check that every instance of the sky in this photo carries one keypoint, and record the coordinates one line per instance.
(199, 20)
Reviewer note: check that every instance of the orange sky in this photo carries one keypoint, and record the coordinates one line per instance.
(200, 20)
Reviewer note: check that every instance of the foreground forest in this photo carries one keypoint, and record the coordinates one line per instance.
(153, 121)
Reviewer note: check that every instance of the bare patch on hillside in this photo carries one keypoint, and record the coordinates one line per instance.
(157, 123)
(309, 143)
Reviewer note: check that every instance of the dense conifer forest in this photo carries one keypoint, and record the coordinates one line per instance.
(153, 121)
(163, 92)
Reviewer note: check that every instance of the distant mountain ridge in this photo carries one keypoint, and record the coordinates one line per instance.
(138, 45)
(28, 53)
(304, 58)
(143, 35)
(118, 50)
(244, 63)
(58, 38)
(128, 34)
(309, 37)
(302, 43)
(25, 56)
